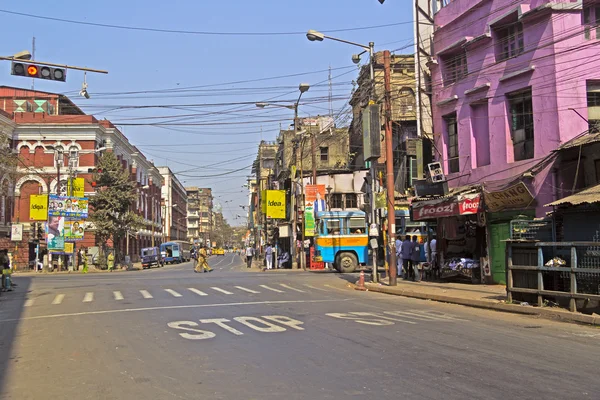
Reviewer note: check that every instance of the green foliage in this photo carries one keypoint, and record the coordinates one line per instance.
(8, 162)
(110, 206)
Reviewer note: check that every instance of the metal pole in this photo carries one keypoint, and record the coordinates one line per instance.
(372, 170)
(389, 166)
(314, 157)
(302, 253)
(293, 212)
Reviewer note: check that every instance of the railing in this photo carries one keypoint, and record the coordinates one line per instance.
(569, 272)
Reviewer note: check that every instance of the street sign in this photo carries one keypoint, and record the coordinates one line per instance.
(16, 232)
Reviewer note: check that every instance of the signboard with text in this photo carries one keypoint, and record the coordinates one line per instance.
(38, 207)
(55, 233)
(78, 189)
(16, 232)
(314, 202)
(74, 230)
(67, 206)
(467, 204)
(515, 196)
(273, 203)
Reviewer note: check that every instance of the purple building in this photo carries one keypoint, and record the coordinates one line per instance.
(511, 81)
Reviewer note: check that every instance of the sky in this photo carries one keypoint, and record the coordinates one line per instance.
(184, 77)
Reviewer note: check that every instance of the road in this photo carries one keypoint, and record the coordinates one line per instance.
(237, 334)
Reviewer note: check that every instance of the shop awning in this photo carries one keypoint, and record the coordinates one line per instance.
(587, 196)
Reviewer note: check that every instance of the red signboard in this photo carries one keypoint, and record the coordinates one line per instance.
(457, 205)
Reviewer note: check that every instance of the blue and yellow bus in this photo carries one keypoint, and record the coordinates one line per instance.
(342, 239)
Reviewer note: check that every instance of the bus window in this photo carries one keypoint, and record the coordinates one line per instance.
(333, 226)
(321, 227)
(356, 225)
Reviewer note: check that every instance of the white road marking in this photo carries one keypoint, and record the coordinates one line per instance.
(291, 288)
(89, 297)
(198, 292)
(314, 287)
(333, 287)
(247, 303)
(28, 302)
(118, 295)
(272, 289)
(146, 294)
(259, 324)
(58, 299)
(220, 290)
(246, 289)
(174, 293)
(221, 322)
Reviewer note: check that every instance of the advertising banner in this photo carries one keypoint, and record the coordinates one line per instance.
(74, 230)
(314, 202)
(78, 189)
(274, 203)
(68, 206)
(55, 233)
(16, 232)
(458, 205)
(38, 207)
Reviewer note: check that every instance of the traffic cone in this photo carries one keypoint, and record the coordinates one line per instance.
(361, 282)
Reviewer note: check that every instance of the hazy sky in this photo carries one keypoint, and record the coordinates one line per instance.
(204, 86)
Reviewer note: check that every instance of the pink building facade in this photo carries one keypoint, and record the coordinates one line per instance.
(511, 82)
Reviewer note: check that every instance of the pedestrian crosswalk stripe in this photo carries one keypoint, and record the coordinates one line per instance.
(198, 292)
(89, 296)
(272, 289)
(145, 294)
(28, 302)
(58, 299)
(118, 295)
(314, 287)
(220, 290)
(246, 289)
(291, 288)
(174, 293)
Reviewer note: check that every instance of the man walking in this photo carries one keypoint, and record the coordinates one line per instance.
(416, 259)
(110, 261)
(249, 255)
(269, 256)
(406, 254)
(202, 263)
(399, 255)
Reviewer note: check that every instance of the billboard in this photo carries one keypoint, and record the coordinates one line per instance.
(273, 203)
(74, 230)
(55, 233)
(78, 189)
(38, 207)
(314, 202)
(67, 206)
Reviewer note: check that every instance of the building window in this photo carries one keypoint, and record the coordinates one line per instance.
(455, 67)
(480, 128)
(324, 153)
(591, 22)
(337, 201)
(73, 157)
(452, 144)
(351, 200)
(593, 103)
(413, 170)
(510, 41)
(521, 124)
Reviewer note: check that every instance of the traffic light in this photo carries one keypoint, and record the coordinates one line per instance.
(38, 71)
(40, 230)
(96, 172)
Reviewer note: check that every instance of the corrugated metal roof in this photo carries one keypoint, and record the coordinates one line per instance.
(587, 196)
(579, 141)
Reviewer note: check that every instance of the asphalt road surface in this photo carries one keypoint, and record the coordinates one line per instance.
(171, 333)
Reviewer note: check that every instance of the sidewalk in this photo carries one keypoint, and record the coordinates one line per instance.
(491, 297)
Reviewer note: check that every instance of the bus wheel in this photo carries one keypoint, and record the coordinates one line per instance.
(346, 262)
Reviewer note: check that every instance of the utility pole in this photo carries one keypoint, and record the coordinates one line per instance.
(389, 167)
(372, 169)
(313, 144)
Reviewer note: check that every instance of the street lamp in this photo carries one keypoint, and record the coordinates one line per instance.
(303, 87)
(316, 36)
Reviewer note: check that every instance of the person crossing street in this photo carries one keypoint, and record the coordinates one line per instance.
(202, 263)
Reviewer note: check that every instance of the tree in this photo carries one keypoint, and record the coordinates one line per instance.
(8, 164)
(110, 207)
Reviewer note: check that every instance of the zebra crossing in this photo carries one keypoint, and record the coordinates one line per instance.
(147, 294)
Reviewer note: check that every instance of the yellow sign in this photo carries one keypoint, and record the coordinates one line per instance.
(78, 187)
(38, 207)
(69, 247)
(274, 203)
(515, 196)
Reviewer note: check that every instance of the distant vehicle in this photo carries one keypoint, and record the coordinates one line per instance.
(151, 256)
(342, 239)
(176, 251)
(219, 252)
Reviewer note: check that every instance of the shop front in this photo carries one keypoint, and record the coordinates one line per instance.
(460, 234)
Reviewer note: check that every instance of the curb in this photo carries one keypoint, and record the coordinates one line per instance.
(555, 314)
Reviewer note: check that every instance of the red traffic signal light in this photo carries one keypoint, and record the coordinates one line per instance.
(36, 71)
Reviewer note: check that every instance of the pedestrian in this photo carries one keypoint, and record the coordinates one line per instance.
(84, 261)
(110, 261)
(399, 255)
(406, 254)
(269, 256)
(249, 255)
(202, 263)
(5, 265)
(416, 258)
